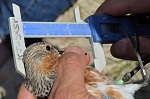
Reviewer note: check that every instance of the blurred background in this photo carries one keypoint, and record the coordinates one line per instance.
(115, 69)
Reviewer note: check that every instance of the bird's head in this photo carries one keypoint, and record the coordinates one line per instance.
(40, 58)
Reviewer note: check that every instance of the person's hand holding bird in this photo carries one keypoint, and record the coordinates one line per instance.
(68, 76)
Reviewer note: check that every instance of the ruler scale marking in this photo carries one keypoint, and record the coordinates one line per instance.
(52, 29)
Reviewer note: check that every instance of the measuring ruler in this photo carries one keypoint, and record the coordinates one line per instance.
(49, 29)
(20, 30)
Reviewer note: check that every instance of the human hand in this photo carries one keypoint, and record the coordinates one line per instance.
(69, 82)
(123, 49)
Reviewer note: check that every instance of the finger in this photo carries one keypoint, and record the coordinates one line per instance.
(124, 50)
(24, 93)
(74, 56)
(70, 73)
(71, 49)
(137, 6)
(79, 51)
(122, 7)
(114, 7)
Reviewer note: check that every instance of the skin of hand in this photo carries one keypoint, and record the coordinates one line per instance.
(69, 83)
(120, 8)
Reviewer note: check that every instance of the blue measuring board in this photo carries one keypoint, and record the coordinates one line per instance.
(51, 29)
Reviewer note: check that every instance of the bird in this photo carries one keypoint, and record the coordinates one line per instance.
(41, 60)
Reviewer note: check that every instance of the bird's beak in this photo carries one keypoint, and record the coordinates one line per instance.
(60, 52)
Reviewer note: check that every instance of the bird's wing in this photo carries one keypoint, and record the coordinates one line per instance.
(101, 87)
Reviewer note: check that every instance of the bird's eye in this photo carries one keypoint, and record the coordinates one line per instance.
(48, 48)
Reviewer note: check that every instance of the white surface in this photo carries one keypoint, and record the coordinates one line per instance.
(17, 39)
(77, 15)
(99, 56)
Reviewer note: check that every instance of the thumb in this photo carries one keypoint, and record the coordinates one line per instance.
(70, 74)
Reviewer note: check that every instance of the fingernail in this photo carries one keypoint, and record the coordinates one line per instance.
(60, 52)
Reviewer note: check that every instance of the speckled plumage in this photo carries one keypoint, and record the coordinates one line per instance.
(40, 60)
